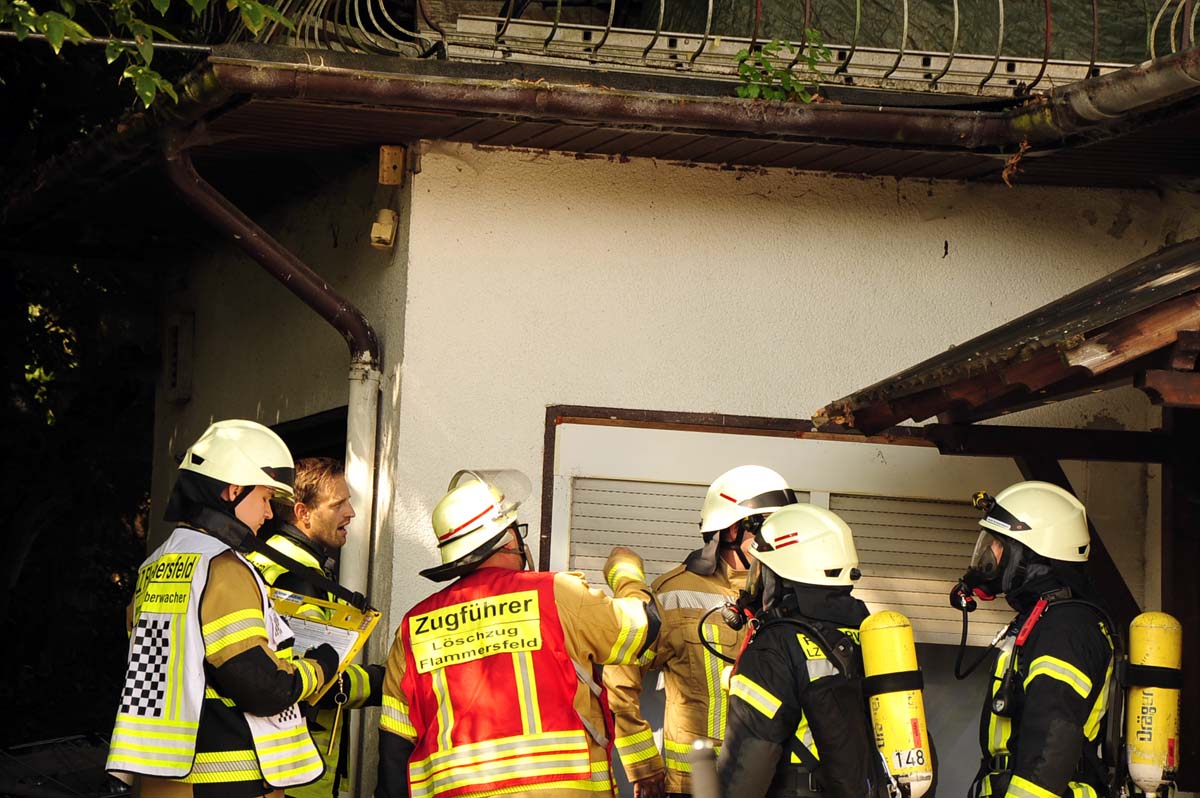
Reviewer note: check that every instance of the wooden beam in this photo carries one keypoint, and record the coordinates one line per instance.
(1050, 442)
(1171, 388)
(1104, 572)
(1180, 580)
(1186, 351)
(1138, 335)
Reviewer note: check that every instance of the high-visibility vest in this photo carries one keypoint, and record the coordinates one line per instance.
(491, 688)
(159, 718)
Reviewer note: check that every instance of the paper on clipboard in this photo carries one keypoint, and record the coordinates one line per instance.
(344, 627)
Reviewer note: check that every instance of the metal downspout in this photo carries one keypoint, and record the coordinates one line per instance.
(363, 398)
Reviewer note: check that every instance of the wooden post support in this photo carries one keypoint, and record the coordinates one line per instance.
(1181, 580)
(1113, 590)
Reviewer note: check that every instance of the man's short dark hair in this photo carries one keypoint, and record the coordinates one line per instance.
(314, 479)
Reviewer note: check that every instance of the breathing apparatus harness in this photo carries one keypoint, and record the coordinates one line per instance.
(974, 586)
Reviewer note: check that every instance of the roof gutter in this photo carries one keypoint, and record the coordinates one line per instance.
(1090, 108)
(363, 397)
(1093, 109)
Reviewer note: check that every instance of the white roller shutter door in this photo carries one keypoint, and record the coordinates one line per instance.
(658, 520)
(911, 551)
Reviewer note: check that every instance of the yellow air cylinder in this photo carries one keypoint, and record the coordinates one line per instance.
(1152, 711)
(897, 705)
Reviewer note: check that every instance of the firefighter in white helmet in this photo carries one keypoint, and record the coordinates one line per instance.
(1044, 711)
(710, 577)
(209, 706)
(797, 724)
(492, 682)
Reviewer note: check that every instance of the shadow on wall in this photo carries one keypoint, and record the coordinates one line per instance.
(952, 710)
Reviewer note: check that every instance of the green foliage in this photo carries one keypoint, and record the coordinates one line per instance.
(780, 71)
(127, 20)
(76, 406)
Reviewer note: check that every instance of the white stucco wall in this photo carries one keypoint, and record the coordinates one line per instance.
(260, 353)
(539, 279)
(525, 279)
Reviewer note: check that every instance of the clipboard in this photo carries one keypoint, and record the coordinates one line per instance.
(344, 627)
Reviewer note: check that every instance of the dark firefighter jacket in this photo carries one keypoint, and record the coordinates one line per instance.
(1049, 747)
(796, 723)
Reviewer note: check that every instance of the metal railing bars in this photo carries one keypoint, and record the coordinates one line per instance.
(953, 50)
(845, 66)
(707, 32)
(662, 9)
(1046, 52)
(903, 42)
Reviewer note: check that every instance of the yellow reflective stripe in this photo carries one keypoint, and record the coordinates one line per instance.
(305, 669)
(553, 764)
(1082, 790)
(212, 627)
(805, 738)
(285, 654)
(394, 718)
(712, 678)
(502, 748)
(218, 767)
(624, 570)
(357, 686)
(1024, 788)
(445, 710)
(638, 747)
(312, 612)
(211, 693)
(527, 694)
(551, 787)
(145, 748)
(675, 756)
(754, 694)
(1091, 728)
(999, 728)
(156, 725)
(633, 632)
(1061, 670)
(233, 628)
(175, 671)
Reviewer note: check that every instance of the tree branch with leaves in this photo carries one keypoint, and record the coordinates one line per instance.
(130, 34)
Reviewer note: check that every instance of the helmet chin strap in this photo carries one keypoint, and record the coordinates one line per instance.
(735, 546)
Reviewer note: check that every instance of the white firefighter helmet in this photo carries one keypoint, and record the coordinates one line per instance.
(808, 544)
(470, 520)
(1039, 515)
(241, 452)
(740, 493)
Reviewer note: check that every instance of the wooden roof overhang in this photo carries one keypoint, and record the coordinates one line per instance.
(1139, 325)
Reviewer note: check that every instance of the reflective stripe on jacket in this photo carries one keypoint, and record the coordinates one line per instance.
(692, 675)
(1064, 669)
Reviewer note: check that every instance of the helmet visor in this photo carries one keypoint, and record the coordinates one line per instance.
(996, 514)
(989, 551)
(284, 474)
(770, 500)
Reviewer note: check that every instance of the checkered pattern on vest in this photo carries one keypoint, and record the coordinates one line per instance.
(146, 681)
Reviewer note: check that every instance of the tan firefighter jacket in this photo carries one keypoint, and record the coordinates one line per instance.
(691, 675)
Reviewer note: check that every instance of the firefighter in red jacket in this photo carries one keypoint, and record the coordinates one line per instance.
(492, 683)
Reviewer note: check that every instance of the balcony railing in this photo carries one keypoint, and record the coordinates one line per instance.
(1003, 48)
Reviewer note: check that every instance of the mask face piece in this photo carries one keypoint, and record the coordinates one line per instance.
(983, 560)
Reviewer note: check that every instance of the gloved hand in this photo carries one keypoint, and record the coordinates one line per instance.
(653, 786)
(358, 601)
(327, 657)
(623, 565)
